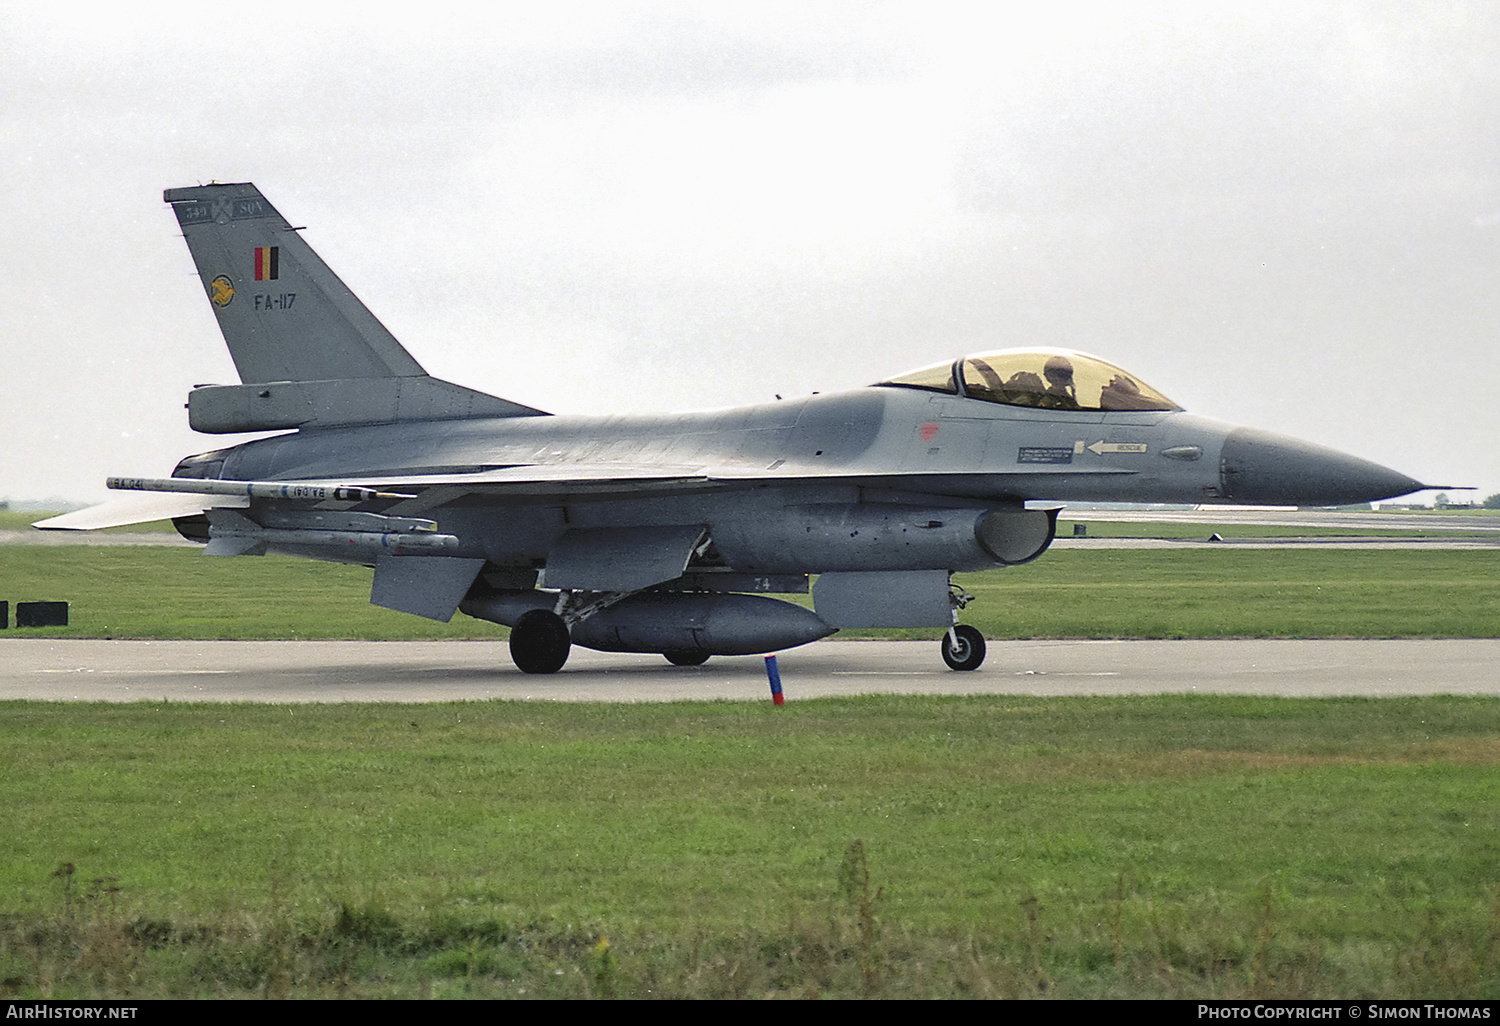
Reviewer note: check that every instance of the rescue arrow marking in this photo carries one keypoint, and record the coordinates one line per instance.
(1101, 447)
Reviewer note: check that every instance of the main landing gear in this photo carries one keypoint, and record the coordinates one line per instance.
(541, 639)
(963, 646)
(686, 657)
(539, 642)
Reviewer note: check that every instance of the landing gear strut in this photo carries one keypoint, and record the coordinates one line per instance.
(963, 646)
(539, 642)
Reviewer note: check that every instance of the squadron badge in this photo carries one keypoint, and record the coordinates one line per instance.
(221, 290)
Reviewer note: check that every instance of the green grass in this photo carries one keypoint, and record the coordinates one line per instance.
(891, 846)
(21, 520)
(152, 591)
(156, 592)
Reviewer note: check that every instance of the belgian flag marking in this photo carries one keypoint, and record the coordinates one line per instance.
(267, 263)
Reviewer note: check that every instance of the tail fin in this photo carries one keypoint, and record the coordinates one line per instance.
(284, 314)
(289, 320)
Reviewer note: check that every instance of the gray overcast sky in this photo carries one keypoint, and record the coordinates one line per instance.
(1282, 215)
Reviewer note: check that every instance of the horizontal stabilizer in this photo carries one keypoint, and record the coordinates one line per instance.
(277, 405)
(137, 509)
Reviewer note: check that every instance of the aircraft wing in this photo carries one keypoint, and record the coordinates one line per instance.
(145, 500)
(164, 498)
(569, 479)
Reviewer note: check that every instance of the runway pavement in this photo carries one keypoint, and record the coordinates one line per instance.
(426, 671)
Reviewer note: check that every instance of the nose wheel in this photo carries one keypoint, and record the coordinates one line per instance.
(963, 647)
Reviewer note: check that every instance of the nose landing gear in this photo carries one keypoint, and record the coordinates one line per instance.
(963, 646)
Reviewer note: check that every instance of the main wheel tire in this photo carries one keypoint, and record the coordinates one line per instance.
(539, 642)
(686, 657)
(968, 653)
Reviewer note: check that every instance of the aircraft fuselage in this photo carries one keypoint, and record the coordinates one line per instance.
(811, 465)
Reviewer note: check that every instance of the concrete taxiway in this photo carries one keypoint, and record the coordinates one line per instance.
(428, 671)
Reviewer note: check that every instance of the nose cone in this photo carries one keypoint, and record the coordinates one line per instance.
(1264, 469)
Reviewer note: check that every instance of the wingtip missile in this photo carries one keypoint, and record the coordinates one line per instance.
(291, 490)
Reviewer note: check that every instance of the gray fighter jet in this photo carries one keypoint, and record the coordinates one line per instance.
(662, 533)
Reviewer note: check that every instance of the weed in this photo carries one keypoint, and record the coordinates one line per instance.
(1258, 979)
(1034, 940)
(854, 884)
(606, 969)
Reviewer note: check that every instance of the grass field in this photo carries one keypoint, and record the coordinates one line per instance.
(886, 846)
(156, 592)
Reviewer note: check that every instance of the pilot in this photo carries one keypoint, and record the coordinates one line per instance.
(1061, 394)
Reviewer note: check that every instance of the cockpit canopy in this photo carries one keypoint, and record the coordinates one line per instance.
(1049, 379)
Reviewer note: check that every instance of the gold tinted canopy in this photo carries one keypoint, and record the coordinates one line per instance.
(1049, 379)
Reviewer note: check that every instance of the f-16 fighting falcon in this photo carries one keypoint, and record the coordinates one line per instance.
(662, 533)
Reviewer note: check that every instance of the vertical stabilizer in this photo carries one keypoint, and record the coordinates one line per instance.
(284, 314)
